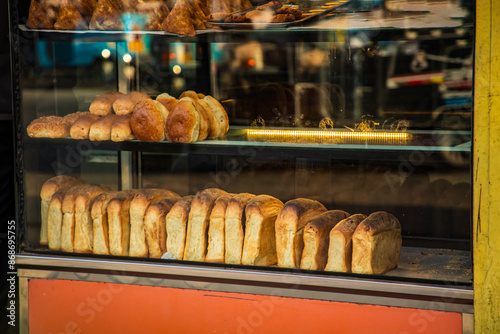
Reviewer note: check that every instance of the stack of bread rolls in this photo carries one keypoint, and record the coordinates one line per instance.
(216, 226)
(119, 117)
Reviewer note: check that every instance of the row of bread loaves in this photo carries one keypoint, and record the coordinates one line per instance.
(216, 226)
(119, 117)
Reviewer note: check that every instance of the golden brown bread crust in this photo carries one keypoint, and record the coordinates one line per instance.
(259, 247)
(125, 104)
(69, 18)
(101, 129)
(216, 228)
(340, 246)
(119, 222)
(103, 104)
(106, 16)
(183, 123)
(138, 206)
(235, 227)
(38, 18)
(196, 235)
(155, 227)
(148, 122)
(83, 232)
(214, 129)
(203, 117)
(81, 127)
(99, 216)
(49, 127)
(316, 239)
(376, 244)
(49, 188)
(290, 225)
(220, 113)
(176, 225)
(179, 20)
(189, 93)
(73, 117)
(68, 210)
(168, 101)
(121, 129)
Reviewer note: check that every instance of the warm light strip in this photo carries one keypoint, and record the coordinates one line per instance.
(340, 137)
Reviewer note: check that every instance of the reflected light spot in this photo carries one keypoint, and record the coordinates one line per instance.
(177, 69)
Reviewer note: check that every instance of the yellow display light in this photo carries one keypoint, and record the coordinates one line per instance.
(328, 137)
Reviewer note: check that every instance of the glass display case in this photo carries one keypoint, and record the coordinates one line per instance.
(362, 106)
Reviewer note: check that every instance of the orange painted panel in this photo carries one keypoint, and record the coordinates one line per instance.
(72, 307)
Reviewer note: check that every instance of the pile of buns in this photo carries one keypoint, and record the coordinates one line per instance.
(215, 226)
(119, 117)
(181, 16)
(271, 12)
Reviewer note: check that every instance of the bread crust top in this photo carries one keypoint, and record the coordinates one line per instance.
(378, 222)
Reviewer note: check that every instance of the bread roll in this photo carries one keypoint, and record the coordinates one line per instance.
(214, 125)
(176, 225)
(216, 227)
(81, 127)
(219, 112)
(290, 225)
(155, 227)
(119, 222)
(189, 93)
(183, 123)
(49, 127)
(68, 219)
(125, 104)
(99, 214)
(148, 121)
(168, 101)
(138, 206)
(121, 129)
(103, 104)
(84, 231)
(376, 244)
(259, 247)
(235, 228)
(199, 215)
(49, 188)
(316, 239)
(73, 117)
(203, 117)
(101, 129)
(340, 246)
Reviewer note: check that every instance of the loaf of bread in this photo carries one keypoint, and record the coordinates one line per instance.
(316, 239)
(103, 104)
(148, 121)
(68, 210)
(216, 227)
(376, 244)
(99, 214)
(219, 112)
(121, 129)
(101, 129)
(84, 230)
(199, 215)
(155, 226)
(72, 117)
(259, 247)
(167, 100)
(214, 126)
(183, 123)
(138, 206)
(203, 118)
(49, 188)
(189, 93)
(119, 222)
(49, 127)
(176, 224)
(81, 127)
(235, 228)
(340, 246)
(290, 225)
(125, 104)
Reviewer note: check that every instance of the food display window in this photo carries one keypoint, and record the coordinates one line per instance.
(303, 150)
